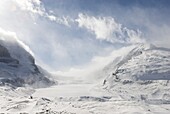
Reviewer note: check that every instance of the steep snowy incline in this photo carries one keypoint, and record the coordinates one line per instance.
(120, 92)
(143, 73)
(17, 65)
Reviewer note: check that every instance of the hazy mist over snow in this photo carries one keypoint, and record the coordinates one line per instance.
(64, 35)
(85, 56)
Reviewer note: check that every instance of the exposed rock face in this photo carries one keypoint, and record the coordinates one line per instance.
(5, 57)
(4, 52)
(18, 68)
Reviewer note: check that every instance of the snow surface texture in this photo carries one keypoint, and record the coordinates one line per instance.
(15, 101)
(17, 65)
(142, 73)
(135, 82)
(129, 86)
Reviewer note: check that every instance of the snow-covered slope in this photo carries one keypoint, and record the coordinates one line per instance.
(143, 71)
(17, 65)
(120, 93)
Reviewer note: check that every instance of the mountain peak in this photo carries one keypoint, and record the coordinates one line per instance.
(17, 65)
(142, 62)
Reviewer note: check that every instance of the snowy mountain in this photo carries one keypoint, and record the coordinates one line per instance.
(142, 71)
(136, 81)
(17, 65)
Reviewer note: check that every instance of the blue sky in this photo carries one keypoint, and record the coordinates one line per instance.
(70, 33)
(135, 14)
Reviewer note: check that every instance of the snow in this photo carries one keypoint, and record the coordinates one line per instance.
(17, 64)
(142, 73)
(69, 90)
(62, 100)
(64, 91)
(135, 82)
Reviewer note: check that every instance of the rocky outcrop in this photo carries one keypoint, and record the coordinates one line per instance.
(18, 68)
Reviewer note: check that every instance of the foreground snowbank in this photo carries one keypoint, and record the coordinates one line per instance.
(19, 101)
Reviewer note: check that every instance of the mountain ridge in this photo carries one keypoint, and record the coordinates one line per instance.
(143, 72)
(17, 66)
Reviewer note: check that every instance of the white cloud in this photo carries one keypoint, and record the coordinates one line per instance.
(61, 20)
(106, 28)
(53, 44)
(52, 17)
(102, 27)
(35, 7)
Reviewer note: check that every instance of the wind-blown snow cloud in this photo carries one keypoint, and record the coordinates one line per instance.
(93, 69)
(12, 37)
(106, 28)
(103, 28)
(65, 34)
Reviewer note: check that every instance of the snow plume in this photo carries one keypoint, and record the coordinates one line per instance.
(35, 7)
(106, 28)
(12, 37)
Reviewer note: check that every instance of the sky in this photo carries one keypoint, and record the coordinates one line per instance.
(69, 34)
